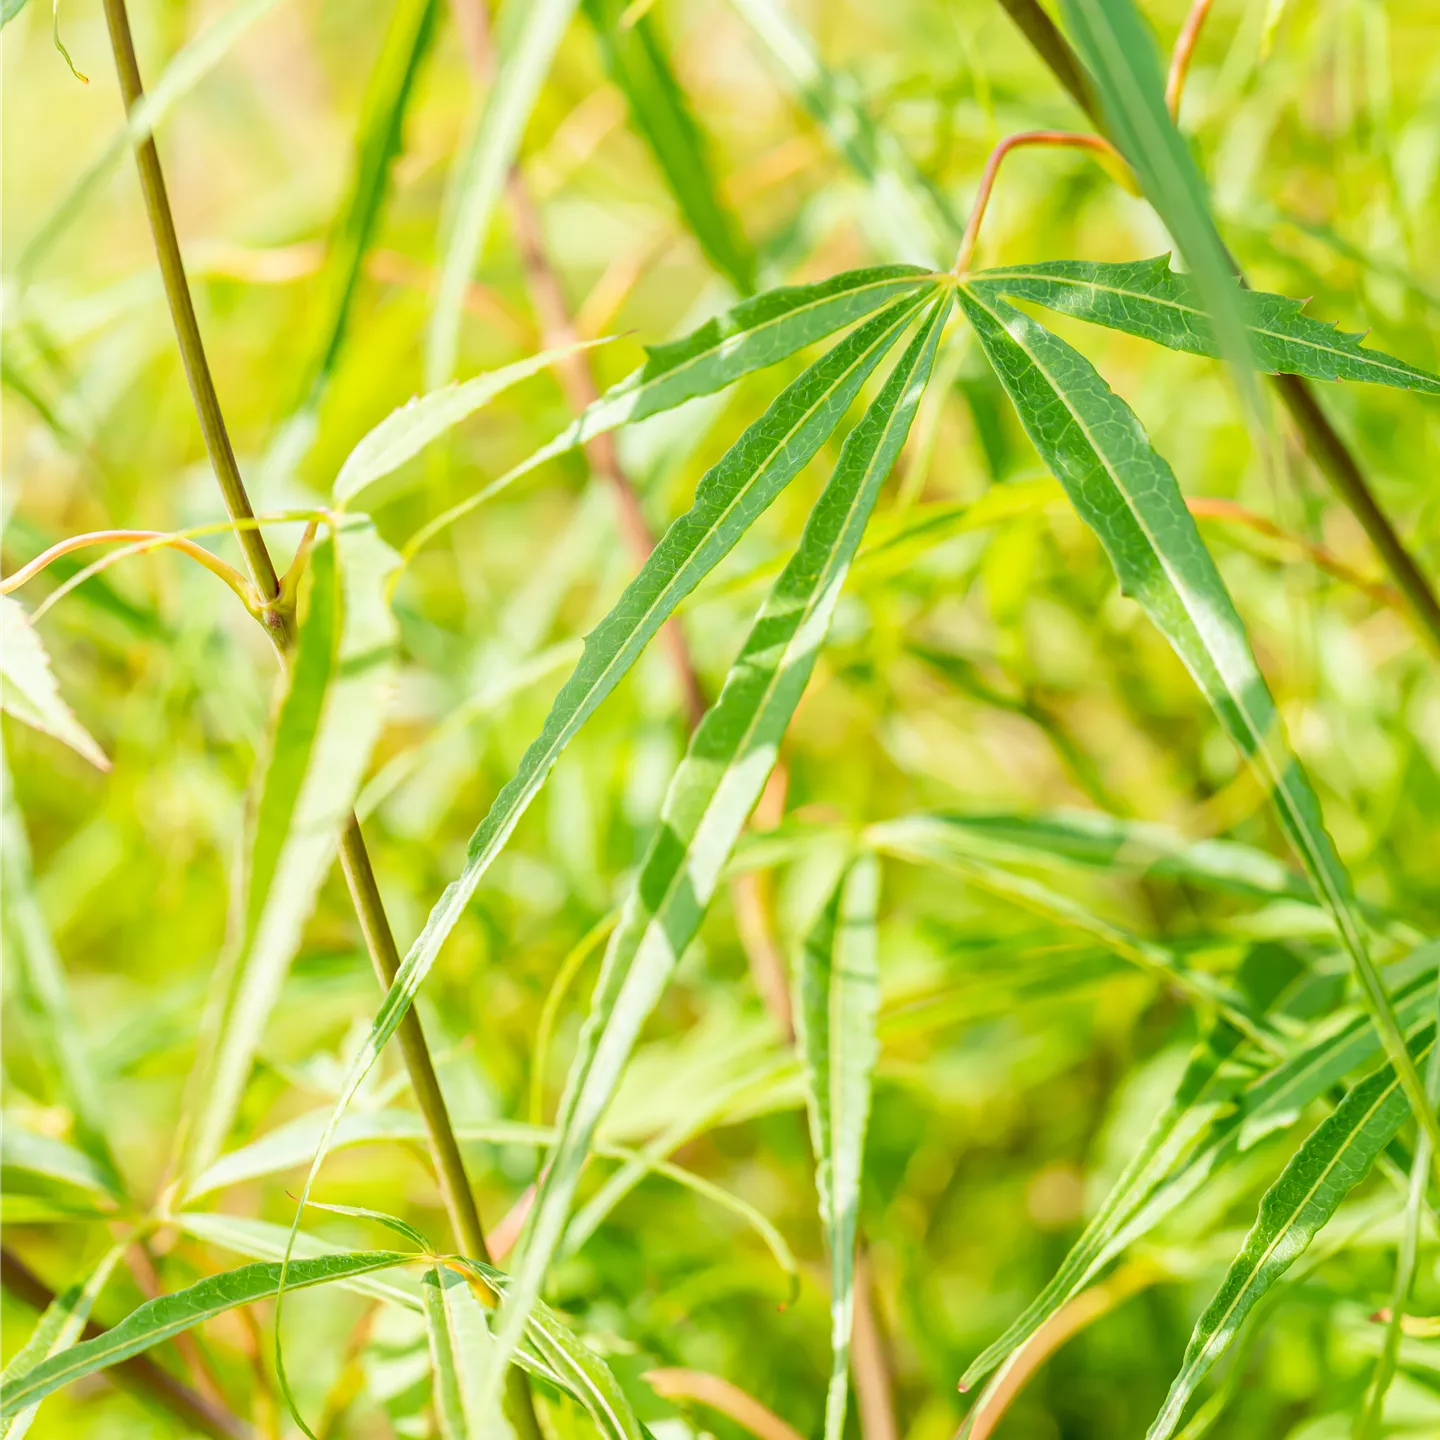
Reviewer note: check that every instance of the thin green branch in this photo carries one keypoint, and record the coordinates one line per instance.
(279, 621)
(1322, 440)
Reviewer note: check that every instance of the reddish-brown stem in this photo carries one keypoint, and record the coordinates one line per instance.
(1065, 138)
(1181, 56)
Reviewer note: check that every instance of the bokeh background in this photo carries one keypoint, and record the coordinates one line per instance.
(981, 664)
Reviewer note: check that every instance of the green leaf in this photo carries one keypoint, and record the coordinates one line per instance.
(459, 1338)
(717, 784)
(526, 39)
(1128, 495)
(929, 840)
(1119, 50)
(382, 125)
(293, 1144)
(9, 9)
(909, 217)
(27, 685)
(53, 1159)
(1088, 837)
(1149, 299)
(1336, 1157)
(1182, 1125)
(405, 432)
(839, 999)
(58, 1329)
(190, 66)
(330, 715)
(158, 1320)
(750, 336)
(578, 1369)
(728, 499)
(635, 59)
(1214, 1116)
(45, 993)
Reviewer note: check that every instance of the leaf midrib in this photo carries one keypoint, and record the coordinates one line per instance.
(1373, 357)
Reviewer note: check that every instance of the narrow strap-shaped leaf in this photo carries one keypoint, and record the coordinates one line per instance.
(525, 43)
(1183, 1121)
(46, 994)
(1119, 49)
(43, 1155)
(924, 839)
(636, 61)
(459, 1336)
(578, 1368)
(750, 336)
(910, 217)
(29, 690)
(839, 1000)
(330, 715)
(158, 1320)
(1149, 299)
(728, 499)
(1336, 1157)
(1205, 1127)
(1129, 497)
(711, 794)
(1090, 837)
(58, 1329)
(406, 431)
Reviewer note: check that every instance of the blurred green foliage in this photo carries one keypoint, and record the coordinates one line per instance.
(980, 667)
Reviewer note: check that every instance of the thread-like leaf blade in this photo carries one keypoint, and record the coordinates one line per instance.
(839, 1000)
(1127, 494)
(1149, 299)
(158, 1320)
(1336, 1157)
(717, 784)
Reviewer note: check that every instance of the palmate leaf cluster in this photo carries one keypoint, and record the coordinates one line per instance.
(862, 349)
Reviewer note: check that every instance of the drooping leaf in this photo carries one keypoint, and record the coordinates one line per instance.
(710, 796)
(525, 43)
(1119, 50)
(293, 1144)
(1335, 1158)
(729, 497)
(751, 336)
(58, 1328)
(329, 717)
(839, 999)
(28, 690)
(1215, 1115)
(1149, 299)
(158, 1320)
(405, 432)
(926, 839)
(46, 994)
(910, 219)
(635, 58)
(578, 1368)
(1128, 495)
(190, 66)
(9, 9)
